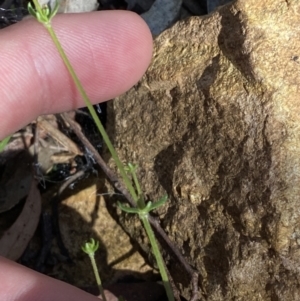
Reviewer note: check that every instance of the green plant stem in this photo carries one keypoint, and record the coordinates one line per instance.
(3, 143)
(93, 113)
(137, 184)
(140, 202)
(158, 257)
(97, 276)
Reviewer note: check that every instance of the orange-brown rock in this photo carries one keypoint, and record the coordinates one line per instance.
(215, 124)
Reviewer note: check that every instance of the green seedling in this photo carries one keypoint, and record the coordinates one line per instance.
(90, 248)
(44, 15)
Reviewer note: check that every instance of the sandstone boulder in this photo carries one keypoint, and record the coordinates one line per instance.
(215, 124)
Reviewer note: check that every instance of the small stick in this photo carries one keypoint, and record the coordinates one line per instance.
(118, 185)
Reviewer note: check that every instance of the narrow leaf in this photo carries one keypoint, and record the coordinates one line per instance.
(3, 143)
(127, 209)
(31, 10)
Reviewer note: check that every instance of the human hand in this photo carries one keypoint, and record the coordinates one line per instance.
(110, 51)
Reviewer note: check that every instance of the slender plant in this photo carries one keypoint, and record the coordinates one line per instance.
(44, 14)
(90, 248)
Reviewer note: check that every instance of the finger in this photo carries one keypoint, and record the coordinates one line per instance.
(21, 284)
(109, 51)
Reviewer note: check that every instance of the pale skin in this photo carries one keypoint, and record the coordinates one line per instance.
(110, 51)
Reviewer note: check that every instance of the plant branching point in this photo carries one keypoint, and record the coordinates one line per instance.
(143, 213)
(43, 14)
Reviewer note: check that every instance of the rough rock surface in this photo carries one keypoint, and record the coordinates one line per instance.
(215, 124)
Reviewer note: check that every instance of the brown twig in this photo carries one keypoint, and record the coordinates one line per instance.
(119, 186)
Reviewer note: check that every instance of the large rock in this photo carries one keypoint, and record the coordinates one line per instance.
(215, 124)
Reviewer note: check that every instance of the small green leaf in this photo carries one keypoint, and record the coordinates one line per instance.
(31, 10)
(131, 167)
(90, 247)
(54, 10)
(3, 143)
(159, 203)
(128, 209)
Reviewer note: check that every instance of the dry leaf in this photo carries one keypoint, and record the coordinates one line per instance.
(16, 238)
(59, 136)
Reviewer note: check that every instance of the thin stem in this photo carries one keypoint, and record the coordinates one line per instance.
(136, 183)
(140, 202)
(158, 257)
(97, 276)
(93, 113)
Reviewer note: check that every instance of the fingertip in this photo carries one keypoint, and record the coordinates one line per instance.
(109, 50)
(20, 283)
